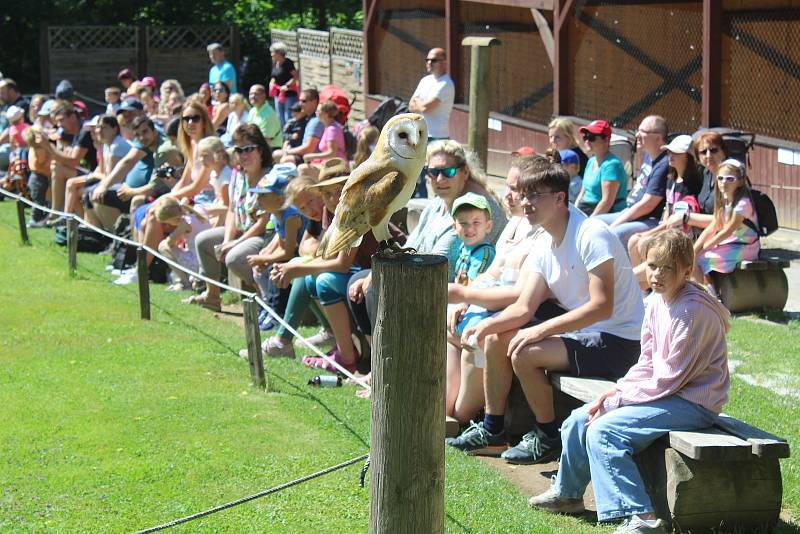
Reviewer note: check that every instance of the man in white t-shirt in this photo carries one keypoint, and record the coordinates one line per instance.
(433, 99)
(582, 265)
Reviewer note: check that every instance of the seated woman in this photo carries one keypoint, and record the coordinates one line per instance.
(179, 246)
(731, 237)
(243, 233)
(326, 280)
(605, 183)
(452, 171)
(469, 304)
(680, 382)
(331, 144)
(289, 227)
(222, 106)
(562, 134)
(684, 181)
(240, 107)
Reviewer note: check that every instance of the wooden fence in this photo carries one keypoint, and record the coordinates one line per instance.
(323, 58)
(91, 56)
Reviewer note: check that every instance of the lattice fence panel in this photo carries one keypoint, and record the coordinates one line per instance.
(289, 38)
(170, 37)
(315, 60)
(347, 43)
(81, 37)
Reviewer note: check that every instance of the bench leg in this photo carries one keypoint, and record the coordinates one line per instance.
(743, 291)
(700, 496)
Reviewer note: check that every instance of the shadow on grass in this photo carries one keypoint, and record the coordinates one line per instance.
(457, 524)
(785, 528)
(771, 316)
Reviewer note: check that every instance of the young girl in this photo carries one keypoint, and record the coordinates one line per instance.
(289, 225)
(216, 161)
(179, 245)
(731, 237)
(679, 383)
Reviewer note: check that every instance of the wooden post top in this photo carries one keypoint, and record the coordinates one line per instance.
(411, 260)
(479, 40)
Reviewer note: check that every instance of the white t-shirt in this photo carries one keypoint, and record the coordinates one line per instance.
(587, 243)
(118, 148)
(443, 89)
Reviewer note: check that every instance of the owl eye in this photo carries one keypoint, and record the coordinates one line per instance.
(403, 135)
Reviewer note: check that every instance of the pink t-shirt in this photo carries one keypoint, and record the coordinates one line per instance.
(333, 132)
(15, 132)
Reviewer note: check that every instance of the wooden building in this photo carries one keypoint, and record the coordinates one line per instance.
(733, 63)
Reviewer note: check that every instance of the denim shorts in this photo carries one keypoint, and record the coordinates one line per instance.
(600, 353)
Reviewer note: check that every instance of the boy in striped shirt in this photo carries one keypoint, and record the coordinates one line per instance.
(679, 383)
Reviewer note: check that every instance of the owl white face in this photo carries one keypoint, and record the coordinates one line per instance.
(406, 135)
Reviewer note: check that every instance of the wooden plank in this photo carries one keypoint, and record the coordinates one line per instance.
(529, 4)
(774, 263)
(755, 265)
(763, 443)
(583, 389)
(710, 444)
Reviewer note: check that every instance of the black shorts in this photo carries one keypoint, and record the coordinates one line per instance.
(109, 199)
(600, 354)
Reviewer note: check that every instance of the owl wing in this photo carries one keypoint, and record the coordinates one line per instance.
(365, 202)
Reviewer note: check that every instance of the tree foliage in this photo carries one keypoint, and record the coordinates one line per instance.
(19, 40)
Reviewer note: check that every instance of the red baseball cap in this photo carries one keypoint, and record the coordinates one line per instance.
(598, 127)
(524, 151)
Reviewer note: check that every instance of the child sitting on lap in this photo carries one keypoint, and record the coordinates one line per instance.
(472, 222)
(679, 383)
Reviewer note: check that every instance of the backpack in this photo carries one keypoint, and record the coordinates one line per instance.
(387, 109)
(766, 214)
(123, 256)
(88, 239)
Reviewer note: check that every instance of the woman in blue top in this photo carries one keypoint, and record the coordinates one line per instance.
(605, 183)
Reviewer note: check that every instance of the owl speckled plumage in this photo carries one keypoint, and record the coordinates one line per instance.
(380, 186)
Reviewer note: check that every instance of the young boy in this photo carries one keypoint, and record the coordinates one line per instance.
(679, 383)
(112, 100)
(294, 128)
(472, 220)
(571, 163)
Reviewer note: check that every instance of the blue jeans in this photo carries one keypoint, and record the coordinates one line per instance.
(329, 288)
(284, 110)
(603, 452)
(625, 230)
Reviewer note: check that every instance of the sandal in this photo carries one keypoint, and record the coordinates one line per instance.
(317, 362)
(202, 300)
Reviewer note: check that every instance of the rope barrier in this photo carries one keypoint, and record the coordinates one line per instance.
(253, 497)
(155, 253)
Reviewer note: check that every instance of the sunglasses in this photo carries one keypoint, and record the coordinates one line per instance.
(707, 151)
(191, 118)
(447, 172)
(591, 138)
(244, 149)
(727, 179)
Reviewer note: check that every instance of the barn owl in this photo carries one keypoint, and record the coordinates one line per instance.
(379, 187)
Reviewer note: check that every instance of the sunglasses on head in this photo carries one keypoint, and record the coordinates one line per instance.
(191, 118)
(709, 150)
(447, 172)
(727, 179)
(244, 149)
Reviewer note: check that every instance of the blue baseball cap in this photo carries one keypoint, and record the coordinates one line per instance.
(569, 156)
(276, 179)
(46, 108)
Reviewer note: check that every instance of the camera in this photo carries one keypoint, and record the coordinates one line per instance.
(166, 171)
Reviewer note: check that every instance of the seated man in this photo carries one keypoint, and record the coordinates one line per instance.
(102, 202)
(646, 198)
(580, 263)
(309, 100)
(262, 115)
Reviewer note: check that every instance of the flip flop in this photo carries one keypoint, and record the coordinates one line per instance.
(202, 300)
(317, 362)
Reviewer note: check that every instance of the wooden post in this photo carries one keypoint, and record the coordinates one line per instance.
(253, 335)
(712, 63)
(72, 245)
(143, 275)
(562, 59)
(23, 229)
(479, 84)
(408, 377)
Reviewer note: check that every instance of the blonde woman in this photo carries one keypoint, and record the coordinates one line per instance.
(216, 162)
(563, 134)
(179, 246)
(240, 107)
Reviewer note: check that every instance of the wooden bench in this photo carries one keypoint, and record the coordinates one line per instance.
(754, 285)
(727, 476)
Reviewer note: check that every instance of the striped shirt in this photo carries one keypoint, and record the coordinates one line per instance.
(684, 353)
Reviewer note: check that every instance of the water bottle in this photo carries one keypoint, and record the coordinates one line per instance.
(326, 381)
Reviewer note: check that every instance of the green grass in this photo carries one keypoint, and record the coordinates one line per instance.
(114, 424)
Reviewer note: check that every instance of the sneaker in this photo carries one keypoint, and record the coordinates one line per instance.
(127, 278)
(268, 324)
(37, 224)
(477, 440)
(262, 315)
(636, 525)
(323, 340)
(534, 448)
(553, 502)
(277, 348)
